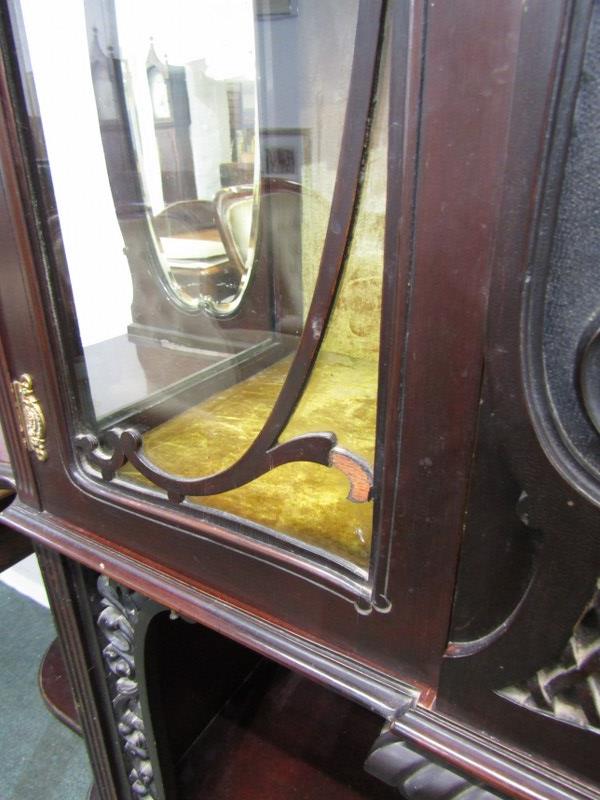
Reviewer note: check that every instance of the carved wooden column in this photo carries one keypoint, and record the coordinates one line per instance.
(74, 623)
(117, 622)
(396, 763)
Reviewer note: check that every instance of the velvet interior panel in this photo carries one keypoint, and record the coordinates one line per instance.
(303, 500)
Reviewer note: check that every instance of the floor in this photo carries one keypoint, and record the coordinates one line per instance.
(26, 578)
(39, 757)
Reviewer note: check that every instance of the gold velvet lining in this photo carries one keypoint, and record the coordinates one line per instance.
(303, 500)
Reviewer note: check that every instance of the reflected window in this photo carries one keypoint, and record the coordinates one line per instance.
(160, 94)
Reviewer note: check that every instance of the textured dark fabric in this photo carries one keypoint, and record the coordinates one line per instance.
(39, 757)
(573, 292)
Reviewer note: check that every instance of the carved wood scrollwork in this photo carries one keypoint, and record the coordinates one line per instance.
(117, 622)
(569, 689)
(414, 775)
(31, 417)
(588, 369)
(121, 445)
(320, 448)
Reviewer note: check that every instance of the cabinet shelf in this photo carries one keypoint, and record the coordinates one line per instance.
(281, 735)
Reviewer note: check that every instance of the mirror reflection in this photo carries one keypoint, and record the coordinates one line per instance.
(191, 104)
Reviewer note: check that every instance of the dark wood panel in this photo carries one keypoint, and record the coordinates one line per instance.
(517, 614)
(364, 684)
(14, 239)
(465, 96)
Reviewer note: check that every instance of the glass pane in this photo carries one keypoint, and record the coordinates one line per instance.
(341, 395)
(209, 138)
(214, 146)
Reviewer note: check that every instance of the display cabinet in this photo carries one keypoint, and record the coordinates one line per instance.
(299, 362)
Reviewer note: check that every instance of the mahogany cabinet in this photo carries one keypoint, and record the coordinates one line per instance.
(299, 358)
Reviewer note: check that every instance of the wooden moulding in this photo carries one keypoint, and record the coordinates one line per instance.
(481, 760)
(420, 751)
(366, 686)
(13, 237)
(394, 762)
(73, 629)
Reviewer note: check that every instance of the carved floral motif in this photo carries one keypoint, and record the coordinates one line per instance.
(31, 417)
(569, 689)
(117, 622)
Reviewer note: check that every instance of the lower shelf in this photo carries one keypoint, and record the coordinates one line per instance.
(56, 689)
(282, 736)
(233, 726)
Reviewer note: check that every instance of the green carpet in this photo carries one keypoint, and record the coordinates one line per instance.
(39, 757)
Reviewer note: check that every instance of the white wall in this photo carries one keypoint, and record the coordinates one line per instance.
(93, 242)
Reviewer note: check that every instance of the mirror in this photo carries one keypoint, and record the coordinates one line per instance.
(192, 113)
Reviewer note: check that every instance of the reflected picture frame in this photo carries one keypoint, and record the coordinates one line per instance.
(284, 151)
(276, 8)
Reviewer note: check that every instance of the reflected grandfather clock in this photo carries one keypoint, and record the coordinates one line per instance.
(170, 105)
